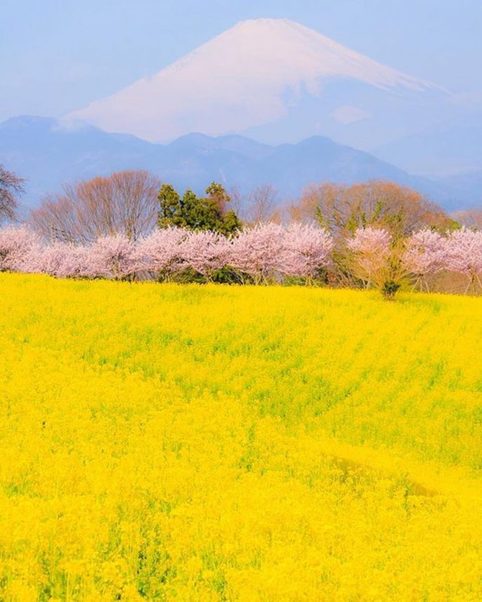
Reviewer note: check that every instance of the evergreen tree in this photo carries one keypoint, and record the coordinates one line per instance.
(197, 213)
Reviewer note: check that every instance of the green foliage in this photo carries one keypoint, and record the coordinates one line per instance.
(451, 226)
(188, 276)
(224, 275)
(390, 288)
(171, 207)
(228, 275)
(197, 213)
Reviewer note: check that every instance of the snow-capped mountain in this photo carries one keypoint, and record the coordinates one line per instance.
(263, 72)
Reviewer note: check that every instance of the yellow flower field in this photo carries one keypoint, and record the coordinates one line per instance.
(192, 443)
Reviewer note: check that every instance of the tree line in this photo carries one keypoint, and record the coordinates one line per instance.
(369, 234)
(134, 202)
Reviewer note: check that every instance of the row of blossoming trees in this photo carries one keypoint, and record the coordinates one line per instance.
(260, 254)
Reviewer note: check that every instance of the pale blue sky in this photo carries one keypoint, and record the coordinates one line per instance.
(58, 55)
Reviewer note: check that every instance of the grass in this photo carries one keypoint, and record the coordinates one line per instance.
(183, 442)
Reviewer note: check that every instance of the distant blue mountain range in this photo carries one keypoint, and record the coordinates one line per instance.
(451, 148)
(49, 154)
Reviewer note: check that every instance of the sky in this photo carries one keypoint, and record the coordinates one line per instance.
(59, 55)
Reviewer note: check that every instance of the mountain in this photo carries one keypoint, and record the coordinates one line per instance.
(316, 159)
(48, 155)
(467, 186)
(448, 148)
(274, 80)
(234, 143)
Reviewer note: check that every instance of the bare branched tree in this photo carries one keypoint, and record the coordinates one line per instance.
(343, 209)
(10, 187)
(470, 218)
(237, 203)
(122, 203)
(261, 204)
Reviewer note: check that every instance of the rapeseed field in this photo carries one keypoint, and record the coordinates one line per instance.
(210, 443)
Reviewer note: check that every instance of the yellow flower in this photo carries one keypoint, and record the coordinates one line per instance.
(167, 442)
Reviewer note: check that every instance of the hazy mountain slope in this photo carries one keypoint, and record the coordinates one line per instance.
(449, 148)
(467, 186)
(318, 158)
(48, 155)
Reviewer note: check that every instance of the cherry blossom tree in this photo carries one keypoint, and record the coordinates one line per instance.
(205, 252)
(307, 249)
(371, 250)
(464, 256)
(258, 251)
(113, 257)
(64, 260)
(18, 247)
(376, 260)
(265, 253)
(159, 254)
(425, 254)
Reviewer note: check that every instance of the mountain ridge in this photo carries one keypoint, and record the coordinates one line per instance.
(48, 154)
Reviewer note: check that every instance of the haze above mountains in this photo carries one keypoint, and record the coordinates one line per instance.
(249, 91)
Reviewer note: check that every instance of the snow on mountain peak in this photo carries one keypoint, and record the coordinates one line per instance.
(237, 80)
